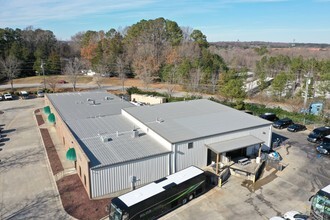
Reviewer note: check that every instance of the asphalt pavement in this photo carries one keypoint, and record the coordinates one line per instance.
(27, 187)
(274, 194)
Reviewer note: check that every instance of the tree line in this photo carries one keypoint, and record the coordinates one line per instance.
(152, 50)
(288, 73)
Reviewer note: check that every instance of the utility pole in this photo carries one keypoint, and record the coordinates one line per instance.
(43, 73)
(308, 81)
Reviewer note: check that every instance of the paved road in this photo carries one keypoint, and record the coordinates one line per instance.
(275, 194)
(27, 189)
(91, 87)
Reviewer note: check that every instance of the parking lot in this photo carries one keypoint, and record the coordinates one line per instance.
(27, 189)
(274, 194)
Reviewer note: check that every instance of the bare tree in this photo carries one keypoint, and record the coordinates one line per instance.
(121, 69)
(101, 69)
(73, 70)
(186, 31)
(214, 80)
(52, 82)
(171, 78)
(189, 50)
(10, 68)
(145, 64)
(195, 78)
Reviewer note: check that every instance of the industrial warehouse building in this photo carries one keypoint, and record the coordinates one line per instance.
(119, 146)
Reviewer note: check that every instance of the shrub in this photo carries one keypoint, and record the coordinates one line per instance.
(133, 90)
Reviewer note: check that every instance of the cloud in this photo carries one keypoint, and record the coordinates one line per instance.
(20, 12)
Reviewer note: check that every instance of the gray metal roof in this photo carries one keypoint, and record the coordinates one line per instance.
(89, 122)
(188, 120)
(120, 148)
(234, 144)
(76, 105)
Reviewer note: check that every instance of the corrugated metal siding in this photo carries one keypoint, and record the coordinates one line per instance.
(117, 177)
(198, 155)
(263, 133)
(186, 157)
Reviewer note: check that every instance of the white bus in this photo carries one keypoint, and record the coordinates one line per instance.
(160, 197)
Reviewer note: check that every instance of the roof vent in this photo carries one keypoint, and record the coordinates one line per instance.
(135, 133)
(159, 120)
(105, 139)
(91, 101)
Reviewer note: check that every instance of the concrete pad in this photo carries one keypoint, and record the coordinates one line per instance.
(27, 188)
(275, 193)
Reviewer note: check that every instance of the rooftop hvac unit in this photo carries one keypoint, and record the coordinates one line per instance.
(92, 102)
(105, 139)
(135, 133)
(159, 120)
(108, 98)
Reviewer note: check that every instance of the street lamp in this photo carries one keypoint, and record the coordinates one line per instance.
(43, 73)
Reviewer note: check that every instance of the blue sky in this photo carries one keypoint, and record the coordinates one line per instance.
(220, 20)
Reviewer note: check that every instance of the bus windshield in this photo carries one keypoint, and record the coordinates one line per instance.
(321, 206)
(115, 213)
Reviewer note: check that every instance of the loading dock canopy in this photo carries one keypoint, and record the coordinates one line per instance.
(234, 144)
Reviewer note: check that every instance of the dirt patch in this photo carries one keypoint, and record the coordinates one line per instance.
(53, 158)
(76, 202)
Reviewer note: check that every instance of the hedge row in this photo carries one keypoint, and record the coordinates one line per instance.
(256, 109)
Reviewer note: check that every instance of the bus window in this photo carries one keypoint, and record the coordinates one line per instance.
(115, 213)
(321, 205)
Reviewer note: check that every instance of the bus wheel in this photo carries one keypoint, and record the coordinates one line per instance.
(184, 201)
(191, 197)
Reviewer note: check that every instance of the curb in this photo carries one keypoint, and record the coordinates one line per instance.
(49, 167)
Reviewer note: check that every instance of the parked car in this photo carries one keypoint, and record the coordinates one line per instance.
(8, 96)
(294, 215)
(282, 123)
(276, 218)
(317, 135)
(62, 81)
(324, 147)
(296, 127)
(269, 116)
(24, 94)
(40, 93)
(1, 98)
